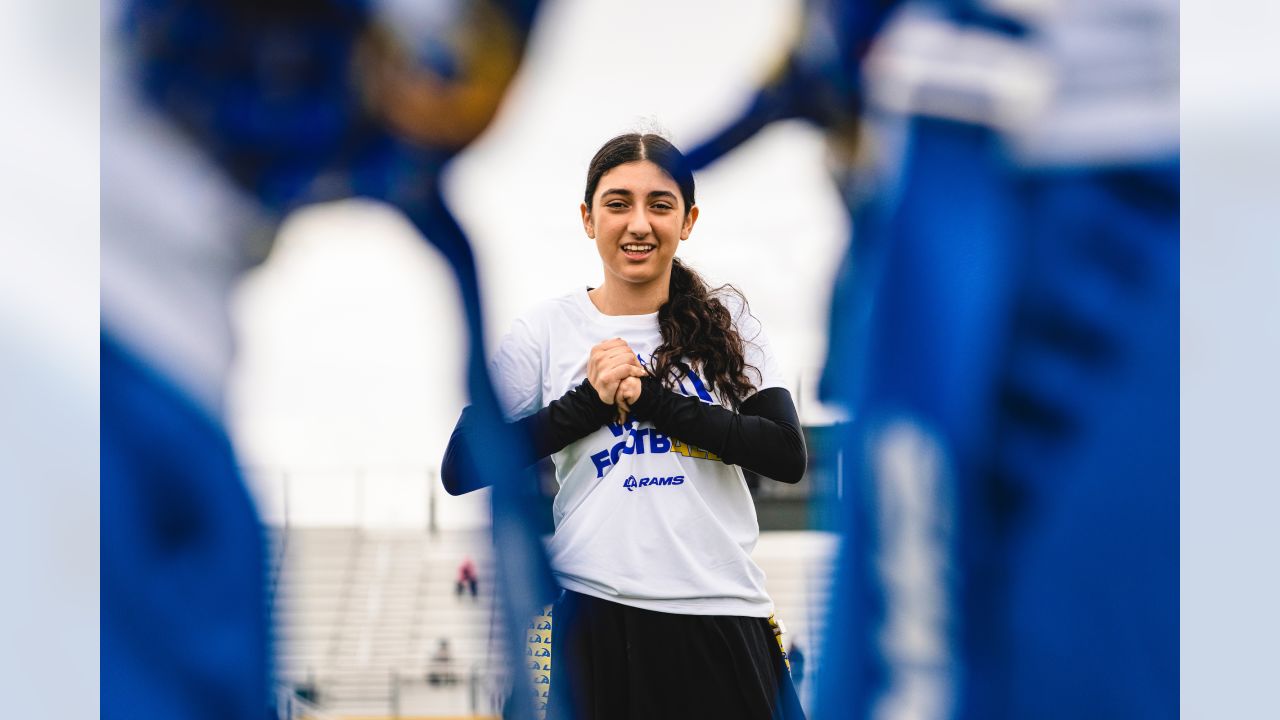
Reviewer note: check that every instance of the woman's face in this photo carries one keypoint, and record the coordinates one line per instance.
(637, 220)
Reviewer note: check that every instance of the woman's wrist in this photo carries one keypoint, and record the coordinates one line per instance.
(591, 396)
(644, 405)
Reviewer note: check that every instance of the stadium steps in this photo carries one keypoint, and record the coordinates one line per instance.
(361, 613)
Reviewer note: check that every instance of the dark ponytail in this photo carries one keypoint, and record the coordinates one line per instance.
(696, 325)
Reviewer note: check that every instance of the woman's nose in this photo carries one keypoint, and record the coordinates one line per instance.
(638, 223)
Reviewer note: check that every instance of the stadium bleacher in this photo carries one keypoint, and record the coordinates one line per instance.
(359, 613)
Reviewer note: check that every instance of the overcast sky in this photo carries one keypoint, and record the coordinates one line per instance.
(350, 357)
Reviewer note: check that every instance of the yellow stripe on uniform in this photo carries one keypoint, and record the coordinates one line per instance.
(777, 635)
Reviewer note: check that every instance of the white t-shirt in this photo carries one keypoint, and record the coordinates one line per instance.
(641, 519)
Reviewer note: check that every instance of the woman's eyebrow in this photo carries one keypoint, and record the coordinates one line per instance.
(627, 193)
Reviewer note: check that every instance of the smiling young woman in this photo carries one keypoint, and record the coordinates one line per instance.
(635, 216)
(650, 393)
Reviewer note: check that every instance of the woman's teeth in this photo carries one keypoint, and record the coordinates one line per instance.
(637, 248)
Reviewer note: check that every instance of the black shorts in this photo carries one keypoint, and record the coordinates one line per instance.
(616, 662)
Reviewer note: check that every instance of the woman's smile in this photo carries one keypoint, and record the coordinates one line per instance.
(638, 251)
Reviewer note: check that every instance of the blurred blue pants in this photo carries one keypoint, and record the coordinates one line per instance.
(1007, 340)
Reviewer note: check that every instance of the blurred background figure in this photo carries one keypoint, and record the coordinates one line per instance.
(467, 580)
(1004, 331)
(441, 672)
(307, 689)
(217, 119)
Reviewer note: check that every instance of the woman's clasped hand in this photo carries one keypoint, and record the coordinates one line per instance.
(614, 370)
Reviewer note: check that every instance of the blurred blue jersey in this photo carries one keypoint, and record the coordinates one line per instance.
(1004, 333)
(219, 117)
(185, 627)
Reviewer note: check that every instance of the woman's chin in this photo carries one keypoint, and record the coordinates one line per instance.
(637, 275)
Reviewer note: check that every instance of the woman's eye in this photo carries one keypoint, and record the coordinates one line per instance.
(616, 205)
(662, 206)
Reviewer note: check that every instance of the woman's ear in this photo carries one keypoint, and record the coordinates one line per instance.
(586, 221)
(689, 220)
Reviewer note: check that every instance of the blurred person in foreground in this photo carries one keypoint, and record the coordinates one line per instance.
(217, 119)
(1004, 330)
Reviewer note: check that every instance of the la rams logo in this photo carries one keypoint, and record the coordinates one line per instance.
(631, 483)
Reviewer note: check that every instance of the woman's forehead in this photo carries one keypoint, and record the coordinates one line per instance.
(639, 177)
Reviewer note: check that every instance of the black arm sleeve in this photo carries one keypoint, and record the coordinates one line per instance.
(763, 436)
(576, 414)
